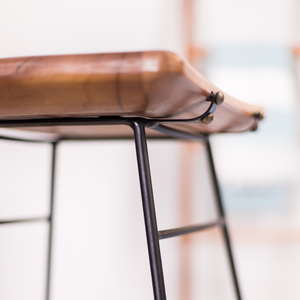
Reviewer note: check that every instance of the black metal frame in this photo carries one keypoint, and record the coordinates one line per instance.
(153, 235)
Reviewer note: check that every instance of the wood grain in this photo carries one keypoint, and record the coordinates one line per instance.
(156, 84)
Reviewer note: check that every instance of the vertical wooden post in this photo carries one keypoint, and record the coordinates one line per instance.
(187, 157)
(187, 24)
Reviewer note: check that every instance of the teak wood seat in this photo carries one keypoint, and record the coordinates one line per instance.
(151, 84)
(82, 96)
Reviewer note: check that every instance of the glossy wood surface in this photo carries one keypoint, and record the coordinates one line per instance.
(152, 84)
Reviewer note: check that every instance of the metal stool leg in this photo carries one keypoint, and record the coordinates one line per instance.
(54, 144)
(222, 215)
(149, 211)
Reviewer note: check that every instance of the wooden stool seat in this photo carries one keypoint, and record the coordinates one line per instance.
(150, 84)
(95, 95)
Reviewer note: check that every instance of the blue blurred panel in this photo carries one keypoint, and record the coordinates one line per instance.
(260, 199)
(265, 160)
(250, 55)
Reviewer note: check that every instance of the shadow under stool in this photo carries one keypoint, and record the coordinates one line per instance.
(139, 95)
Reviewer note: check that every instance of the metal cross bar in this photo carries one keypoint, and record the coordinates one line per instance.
(26, 220)
(165, 234)
(25, 140)
(180, 135)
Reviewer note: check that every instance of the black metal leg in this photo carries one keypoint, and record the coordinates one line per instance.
(149, 211)
(54, 145)
(222, 215)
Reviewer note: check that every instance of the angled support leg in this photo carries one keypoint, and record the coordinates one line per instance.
(149, 211)
(222, 215)
(54, 145)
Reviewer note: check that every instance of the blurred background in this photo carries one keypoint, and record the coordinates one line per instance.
(248, 49)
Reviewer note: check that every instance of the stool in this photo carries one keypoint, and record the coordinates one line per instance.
(100, 96)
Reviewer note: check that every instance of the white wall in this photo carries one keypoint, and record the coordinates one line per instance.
(99, 246)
